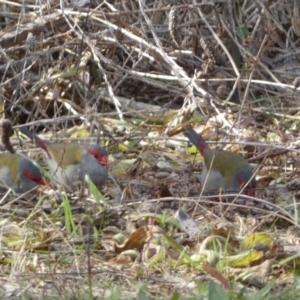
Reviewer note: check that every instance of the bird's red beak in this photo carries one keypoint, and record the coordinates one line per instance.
(248, 191)
(104, 161)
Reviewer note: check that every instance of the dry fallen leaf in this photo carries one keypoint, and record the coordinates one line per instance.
(216, 274)
(136, 240)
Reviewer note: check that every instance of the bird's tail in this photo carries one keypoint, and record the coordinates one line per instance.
(36, 140)
(196, 139)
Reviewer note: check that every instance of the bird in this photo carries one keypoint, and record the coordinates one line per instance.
(70, 162)
(222, 169)
(18, 173)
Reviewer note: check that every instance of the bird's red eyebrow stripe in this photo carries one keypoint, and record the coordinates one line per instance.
(43, 146)
(240, 181)
(36, 179)
(101, 158)
(202, 147)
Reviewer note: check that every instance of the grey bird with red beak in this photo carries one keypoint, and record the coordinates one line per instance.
(223, 169)
(70, 162)
(18, 173)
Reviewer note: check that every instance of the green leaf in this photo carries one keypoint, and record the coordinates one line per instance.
(215, 292)
(96, 193)
(69, 221)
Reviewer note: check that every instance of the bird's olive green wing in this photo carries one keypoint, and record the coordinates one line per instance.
(227, 163)
(11, 161)
(66, 154)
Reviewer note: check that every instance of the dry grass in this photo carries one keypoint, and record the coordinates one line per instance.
(134, 75)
